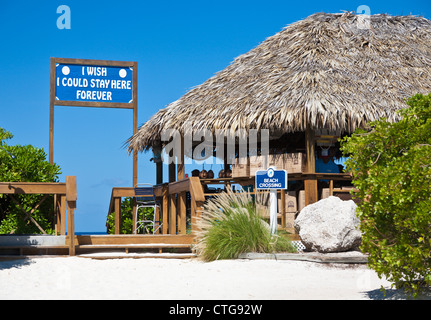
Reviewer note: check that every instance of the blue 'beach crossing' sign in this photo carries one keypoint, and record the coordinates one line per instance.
(92, 83)
(271, 179)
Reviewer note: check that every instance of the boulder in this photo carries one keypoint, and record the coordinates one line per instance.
(329, 225)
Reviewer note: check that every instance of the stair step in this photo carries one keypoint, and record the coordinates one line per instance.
(133, 246)
(122, 255)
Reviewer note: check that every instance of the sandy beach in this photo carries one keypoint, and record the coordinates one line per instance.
(169, 279)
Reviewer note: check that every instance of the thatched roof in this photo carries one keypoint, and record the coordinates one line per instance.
(326, 71)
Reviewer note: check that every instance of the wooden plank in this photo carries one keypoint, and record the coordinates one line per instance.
(71, 193)
(135, 246)
(182, 221)
(71, 205)
(123, 192)
(129, 239)
(172, 228)
(94, 104)
(135, 120)
(102, 63)
(61, 214)
(165, 209)
(179, 186)
(180, 162)
(159, 172)
(196, 189)
(32, 188)
(117, 217)
(310, 184)
(310, 150)
(51, 111)
(282, 208)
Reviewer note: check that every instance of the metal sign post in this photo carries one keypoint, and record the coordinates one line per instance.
(272, 180)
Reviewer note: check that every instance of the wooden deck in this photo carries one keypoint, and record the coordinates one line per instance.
(108, 246)
(180, 201)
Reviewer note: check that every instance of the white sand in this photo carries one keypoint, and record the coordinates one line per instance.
(83, 278)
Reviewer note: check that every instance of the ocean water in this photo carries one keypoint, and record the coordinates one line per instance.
(90, 233)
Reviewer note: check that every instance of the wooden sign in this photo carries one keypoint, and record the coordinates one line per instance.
(94, 83)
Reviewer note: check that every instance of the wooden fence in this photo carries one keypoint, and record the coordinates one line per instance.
(172, 198)
(65, 197)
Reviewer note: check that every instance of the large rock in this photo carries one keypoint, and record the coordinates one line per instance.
(329, 225)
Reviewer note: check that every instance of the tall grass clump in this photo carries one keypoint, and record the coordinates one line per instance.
(231, 225)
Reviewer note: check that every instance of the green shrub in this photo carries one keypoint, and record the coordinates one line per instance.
(230, 225)
(391, 167)
(25, 164)
(127, 217)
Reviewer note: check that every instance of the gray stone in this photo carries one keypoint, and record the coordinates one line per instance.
(329, 225)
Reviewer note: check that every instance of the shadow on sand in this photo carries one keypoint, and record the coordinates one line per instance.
(14, 263)
(396, 294)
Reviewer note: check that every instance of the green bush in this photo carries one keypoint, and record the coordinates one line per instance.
(391, 167)
(230, 225)
(25, 164)
(127, 217)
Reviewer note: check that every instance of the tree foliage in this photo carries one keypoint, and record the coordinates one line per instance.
(24, 163)
(391, 167)
(127, 217)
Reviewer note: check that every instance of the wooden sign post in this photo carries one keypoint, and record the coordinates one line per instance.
(71, 197)
(94, 83)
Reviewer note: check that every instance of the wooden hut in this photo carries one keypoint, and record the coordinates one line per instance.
(332, 72)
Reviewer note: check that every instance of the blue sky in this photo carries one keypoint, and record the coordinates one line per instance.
(177, 44)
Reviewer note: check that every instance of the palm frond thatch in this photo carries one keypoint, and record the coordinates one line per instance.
(326, 71)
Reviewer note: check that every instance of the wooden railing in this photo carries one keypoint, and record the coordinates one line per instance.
(172, 198)
(65, 197)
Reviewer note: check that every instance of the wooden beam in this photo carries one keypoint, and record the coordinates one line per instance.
(159, 172)
(71, 197)
(32, 188)
(182, 221)
(165, 209)
(135, 123)
(51, 112)
(172, 215)
(180, 162)
(196, 189)
(282, 208)
(117, 217)
(172, 176)
(310, 185)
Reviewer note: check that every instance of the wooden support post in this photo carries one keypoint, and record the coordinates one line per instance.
(157, 156)
(310, 184)
(197, 200)
(117, 217)
(71, 197)
(51, 113)
(61, 214)
(180, 162)
(172, 215)
(283, 207)
(182, 213)
(171, 167)
(165, 209)
(157, 218)
(159, 172)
